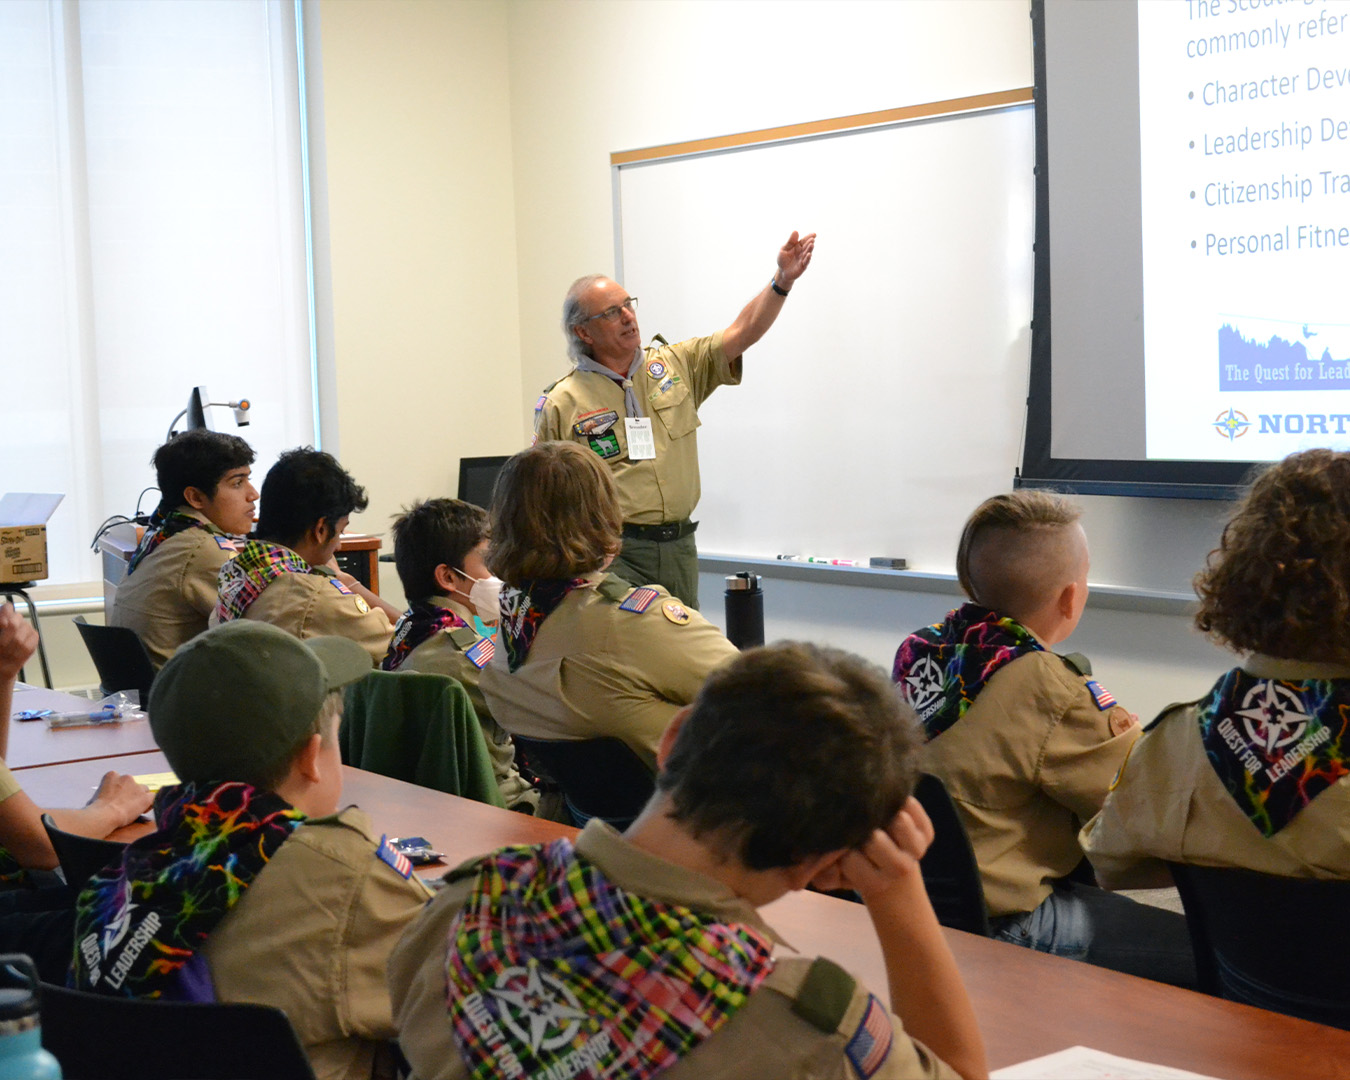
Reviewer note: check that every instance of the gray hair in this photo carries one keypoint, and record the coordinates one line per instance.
(574, 315)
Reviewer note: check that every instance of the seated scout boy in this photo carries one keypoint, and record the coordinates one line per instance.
(287, 574)
(254, 888)
(205, 506)
(628, 955)
(1026, 742)
(439, 548)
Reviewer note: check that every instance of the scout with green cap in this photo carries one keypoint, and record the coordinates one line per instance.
(252, 887)
(644, 953)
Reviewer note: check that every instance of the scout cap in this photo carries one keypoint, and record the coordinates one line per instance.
(233, 702)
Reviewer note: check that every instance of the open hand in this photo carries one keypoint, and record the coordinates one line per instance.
(127, 799)
(794, 257)
(18, 641)
(887, 858)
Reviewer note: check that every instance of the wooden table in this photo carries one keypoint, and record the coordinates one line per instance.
(1029, 1004)
(32, 743)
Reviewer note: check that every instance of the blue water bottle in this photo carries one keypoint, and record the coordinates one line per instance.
(21, 1054)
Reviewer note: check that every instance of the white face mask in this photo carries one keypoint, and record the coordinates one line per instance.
(485, 596)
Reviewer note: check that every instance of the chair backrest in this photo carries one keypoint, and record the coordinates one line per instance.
(421, 728)
(115, 1038)
(1269, 941)
(80, 856)
(119, 657)
(950, 873)
(600, 778)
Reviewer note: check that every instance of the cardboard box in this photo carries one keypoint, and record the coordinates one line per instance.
(23, 536)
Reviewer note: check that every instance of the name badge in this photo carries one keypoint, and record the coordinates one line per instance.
(641, 441)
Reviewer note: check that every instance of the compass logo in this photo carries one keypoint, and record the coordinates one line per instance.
(923, 684)
(532, 1003)
(1273, 716)
(1232, 424)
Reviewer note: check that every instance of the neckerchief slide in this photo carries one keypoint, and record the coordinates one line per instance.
(140, 922)
(524, 611)
(552, 970)
(1276, 744)
(421, 622)
(256, 566)
(942, 668)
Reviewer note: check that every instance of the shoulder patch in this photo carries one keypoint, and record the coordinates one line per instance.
(1078, 662)
(1101, 695)
(462, 636)
(340, 587)
(543, 400)
(675, 611)
(639, 600)
(871, 1042)
(481, 653)
(386, 853)
(613, 588)
(225, 543)
(824, 995)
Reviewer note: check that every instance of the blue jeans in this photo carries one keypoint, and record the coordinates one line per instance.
(1098, 927)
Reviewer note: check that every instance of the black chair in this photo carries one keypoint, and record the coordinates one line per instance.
(119, 657)
(1269, 941)
(113, 1038)
(599, 778)
(81, 857)
(950, 873)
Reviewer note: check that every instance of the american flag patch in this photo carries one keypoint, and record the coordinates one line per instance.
(387, 853)
(539, 405)
(639, 600)
(872, 1041)
(1101, 695)
(225, 543)
(480, 652)
(340, 587)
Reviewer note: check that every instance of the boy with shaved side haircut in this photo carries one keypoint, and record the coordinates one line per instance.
(1027, 742)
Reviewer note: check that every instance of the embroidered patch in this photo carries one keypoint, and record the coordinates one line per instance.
(596, 422)
(639, 600)
(539, 405)
(481, 653)
(361, 605)
(656, 369)
(872, 1041)
(675, 612)
(606, 445)
(340, 587)
(1101, 695)
(387, 853)
(225, 543)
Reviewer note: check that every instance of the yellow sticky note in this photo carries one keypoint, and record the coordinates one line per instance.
(156, 780)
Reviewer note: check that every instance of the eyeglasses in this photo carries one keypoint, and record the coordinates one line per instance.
(611, 313)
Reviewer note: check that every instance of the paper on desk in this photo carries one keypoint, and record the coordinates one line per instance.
(1084, 1063)
(156, 780)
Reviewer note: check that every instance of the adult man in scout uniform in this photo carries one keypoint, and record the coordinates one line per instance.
(638, 409)
(205, 510)
(254, 888)
(439, 550)
(287, 574)
(646, 949)
(1027, 743)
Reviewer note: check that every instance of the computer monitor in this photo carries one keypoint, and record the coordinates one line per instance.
(477, 475)
(197, 419)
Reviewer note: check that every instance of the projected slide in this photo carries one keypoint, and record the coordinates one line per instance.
(1244, 133)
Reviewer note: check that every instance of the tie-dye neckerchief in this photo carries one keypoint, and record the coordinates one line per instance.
(422, 621)
(524, 611)
(140, 922)
(162, 526)
(552, 970)
(1276, 744)
(256, 566)
(942, 668)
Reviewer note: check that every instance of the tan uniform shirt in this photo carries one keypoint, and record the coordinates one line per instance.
(672, 382)
(174, 590)
(443, 654)
(1030, 761)
(764, 1040)
(311, 937)
(9, 784)
(597, 670)
(1169, 805)
(308, 605)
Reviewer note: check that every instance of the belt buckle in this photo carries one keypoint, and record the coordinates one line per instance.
(669, 532)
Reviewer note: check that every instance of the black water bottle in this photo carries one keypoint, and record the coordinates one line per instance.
(745, 610)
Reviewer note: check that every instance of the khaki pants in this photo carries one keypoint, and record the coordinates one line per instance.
(673, 564)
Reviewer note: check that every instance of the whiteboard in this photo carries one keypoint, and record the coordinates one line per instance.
(888, 399)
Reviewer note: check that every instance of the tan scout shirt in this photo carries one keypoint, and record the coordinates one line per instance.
(311, 937)
(309, 606)
(1169, 805)
(174, 590)
(764, 1040)
(9, 784)
(597, 670)
(672, 382)
(1030, 761)
(443, 654)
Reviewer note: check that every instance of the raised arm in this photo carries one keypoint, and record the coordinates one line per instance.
(758, 315)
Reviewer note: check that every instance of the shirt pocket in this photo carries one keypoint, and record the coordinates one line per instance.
(675, 408)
